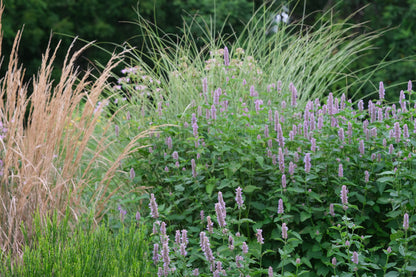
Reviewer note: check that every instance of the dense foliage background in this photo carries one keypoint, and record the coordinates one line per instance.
(109, 23)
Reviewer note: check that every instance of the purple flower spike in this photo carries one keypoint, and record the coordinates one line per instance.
(220, 215)
(307, 161)
(153, 206)
(132, 173)
(409, 86)
(340, 171)
(226, 56)
(259, 236)
(280, 208)
(344, 197)
(406, 221)
(270, 272)
(381, 91)
(354, 257)
(284, 231)
(239, 198)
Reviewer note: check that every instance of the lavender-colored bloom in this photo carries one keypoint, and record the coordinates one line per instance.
(331, 210)
(239, 197)
(132, 173)
(220, 215)
(281, 159)
(122, 213)
(156, 255)
(341, 134)
(294, 94)
(138, 216)
(184, 237)
(307, 161)
(366, 176)
(344, 197)
(320, 121)
(313, 144)
(274, 159)
(175, 155)
(283, 181)
(361, 105)
(244, 248)
(226, 56)
(178, 237)
(193, 165)
(169, 142)
(257, 104)
(210, 225)
(330, 104)
(195, 272)
(238, 260)
(334, 261)
(270, 272)
(163, 230)
(405, 131)
(354, 257)
(206, 248)
(409, 86)
(340, 171)
(291, 168)
(153, 206)
(381, 91)
(259, 236)
(347, 243)
(284, 231)
(280, 208)
(361, 147)
(116, 130)
(165, 254)
(195, 129)
(230, 243)
(183, 249)
(266, 131)
(406, 221)
(391, 149)
(205, 85)
(397, 131)
(213, 112)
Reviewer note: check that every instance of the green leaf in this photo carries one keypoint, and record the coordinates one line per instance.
(250, 188)
(392, 274)
(304, 216)
(209, 188)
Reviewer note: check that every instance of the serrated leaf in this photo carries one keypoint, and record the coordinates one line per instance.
(392, 274)
(250, 189)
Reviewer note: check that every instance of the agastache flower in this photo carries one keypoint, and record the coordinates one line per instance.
(153, 206)
(210, 225)
(283, 181)
(132, 173)
(239, 198)
(280, 208)
(366, 176)
(331, 210)
(220, 215)
(361, 147)
(226, 56)
(230, 242)
(307, 161)
(381, 91)
(294, 94)
(169, 142)
(344, 197)
(270, 272)
(238, 260)
(259, 236)
(409, 86)
(244, 248)
(397, 131)
(354, 258)
(284, 231)
(340, 171)
(406, 221)
(281, 159)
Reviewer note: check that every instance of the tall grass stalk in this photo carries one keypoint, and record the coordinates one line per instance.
(45, 147)
(315, 58)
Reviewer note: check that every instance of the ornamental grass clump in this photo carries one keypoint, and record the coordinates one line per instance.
(52, 158)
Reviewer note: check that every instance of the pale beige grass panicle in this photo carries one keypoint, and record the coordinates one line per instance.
(45, 151)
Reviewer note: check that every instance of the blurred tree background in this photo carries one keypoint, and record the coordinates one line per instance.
(111, 23)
